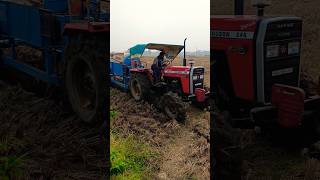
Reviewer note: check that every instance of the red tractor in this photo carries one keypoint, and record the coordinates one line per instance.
(256, 71)
(178, 85)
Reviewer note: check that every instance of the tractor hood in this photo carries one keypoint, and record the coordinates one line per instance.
(171, 51)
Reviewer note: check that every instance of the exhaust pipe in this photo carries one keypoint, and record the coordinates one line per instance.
(184, 53)
(260, 4)
(238, 7)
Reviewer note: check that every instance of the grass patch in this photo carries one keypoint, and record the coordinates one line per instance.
(129, 158)
(113, 113)
(10, 165)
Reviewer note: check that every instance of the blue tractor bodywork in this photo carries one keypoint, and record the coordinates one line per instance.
(120, 71)
(72, 40)
(41, 28)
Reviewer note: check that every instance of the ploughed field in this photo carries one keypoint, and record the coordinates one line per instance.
(182, 149)
(42, 139)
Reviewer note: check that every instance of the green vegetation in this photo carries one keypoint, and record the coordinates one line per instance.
(113, 113)
(129, 157)
(10, 165)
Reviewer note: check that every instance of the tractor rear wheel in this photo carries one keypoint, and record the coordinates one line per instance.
(139, 86)
(226, 148)
(173, 106)
(85, 81)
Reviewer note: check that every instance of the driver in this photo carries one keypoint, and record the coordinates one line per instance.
(157, 66)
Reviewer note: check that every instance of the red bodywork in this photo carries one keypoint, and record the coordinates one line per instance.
(181, 72)
(178, 72)
(240, 65)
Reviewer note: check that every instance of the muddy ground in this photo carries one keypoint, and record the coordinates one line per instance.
(264, 158)
(183, 148)
(54, 144)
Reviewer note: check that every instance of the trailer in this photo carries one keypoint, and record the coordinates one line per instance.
(72, 37)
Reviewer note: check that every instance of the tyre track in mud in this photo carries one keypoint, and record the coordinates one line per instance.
(183, 148)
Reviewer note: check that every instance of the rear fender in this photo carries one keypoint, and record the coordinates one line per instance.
(142, 71)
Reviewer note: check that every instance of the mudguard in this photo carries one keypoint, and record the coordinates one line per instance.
(290, 104)
(289, 108)
(200, 94)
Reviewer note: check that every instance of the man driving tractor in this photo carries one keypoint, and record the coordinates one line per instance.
(157, 66)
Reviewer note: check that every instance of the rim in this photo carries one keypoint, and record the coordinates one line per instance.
(136, 90)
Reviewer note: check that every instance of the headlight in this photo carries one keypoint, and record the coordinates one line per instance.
(195, 77)
(272, 51)
(198, 77)
(293, 48)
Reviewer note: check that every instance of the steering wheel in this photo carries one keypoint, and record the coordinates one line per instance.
(166, 62)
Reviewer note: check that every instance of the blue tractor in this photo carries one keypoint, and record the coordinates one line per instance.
(73, 40)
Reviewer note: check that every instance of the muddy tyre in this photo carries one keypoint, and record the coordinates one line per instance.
(227, 149)
(139, 86)
(85, 80)
(1, 59)
(316, 128)
(173, 106)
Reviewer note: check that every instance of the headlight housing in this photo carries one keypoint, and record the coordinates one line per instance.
(272, 51)
(293, 48)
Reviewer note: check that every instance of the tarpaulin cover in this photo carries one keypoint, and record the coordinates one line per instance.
(171, 50)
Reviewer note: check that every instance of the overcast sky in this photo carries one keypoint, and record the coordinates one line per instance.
(160, 21)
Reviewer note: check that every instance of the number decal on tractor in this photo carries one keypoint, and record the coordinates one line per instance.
(232, 34)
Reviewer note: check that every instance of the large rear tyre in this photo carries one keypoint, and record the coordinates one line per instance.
(85, 82)
(139, 86)
(227, 149)
(173, 106)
